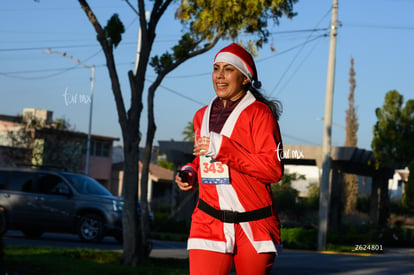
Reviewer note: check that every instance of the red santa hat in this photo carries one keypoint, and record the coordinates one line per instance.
(237, 56)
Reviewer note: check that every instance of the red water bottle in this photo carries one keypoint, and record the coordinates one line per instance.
(185, 176)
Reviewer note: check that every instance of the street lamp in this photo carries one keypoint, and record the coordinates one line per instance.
(92, 68)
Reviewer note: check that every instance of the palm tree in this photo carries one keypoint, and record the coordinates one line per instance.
(188, 132)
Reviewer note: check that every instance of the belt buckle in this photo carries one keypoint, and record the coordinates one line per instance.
(229, 216)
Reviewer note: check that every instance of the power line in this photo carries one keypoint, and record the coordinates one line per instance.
(180, 94)
(302, 46)
(187, 76)
(408, 28)
(298, 67)
(12, 74)
(59, 71)
(133, 43)
(304, 30)
(299, 139)
(42, 48)
(63, 70)
(291, 48)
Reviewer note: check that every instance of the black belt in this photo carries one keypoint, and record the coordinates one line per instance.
(233, 216)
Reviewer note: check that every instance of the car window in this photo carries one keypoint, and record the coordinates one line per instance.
(61, 188)
(3, 178)
(22, 181)
(51, 184)
(87, 185)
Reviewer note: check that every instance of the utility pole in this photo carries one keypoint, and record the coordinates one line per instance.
(325, 186)
(92, 68)
(138, 51)
(147, 14)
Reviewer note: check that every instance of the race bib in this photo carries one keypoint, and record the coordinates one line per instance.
(213, 172)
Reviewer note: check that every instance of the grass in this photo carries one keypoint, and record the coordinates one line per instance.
(58, 261)
(33, 261)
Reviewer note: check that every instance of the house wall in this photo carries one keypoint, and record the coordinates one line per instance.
(100, 168)
(311, 174)
(159, 184)
(115, 185)
(5, 127)
(396, 184)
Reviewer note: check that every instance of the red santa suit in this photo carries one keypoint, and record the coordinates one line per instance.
(241, 163)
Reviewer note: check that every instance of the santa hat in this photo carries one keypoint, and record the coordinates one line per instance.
(237, 56)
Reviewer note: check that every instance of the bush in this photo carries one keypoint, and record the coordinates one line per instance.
(285, 197)
(306, 238)
(394, 236)
(349, 237)
(299, 237)
(398, 208)
(312, 201)
(165, 228)
(363, 204)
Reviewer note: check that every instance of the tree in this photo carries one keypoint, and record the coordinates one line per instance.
(351, 139)
(20, 142)
(206, 23)
(286, 197)
(392, 142)
(188, 132)
(408, 195)
(394, 132)
(352, 124)
(34, 142)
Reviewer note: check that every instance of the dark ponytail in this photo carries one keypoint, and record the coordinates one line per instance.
(274, 105)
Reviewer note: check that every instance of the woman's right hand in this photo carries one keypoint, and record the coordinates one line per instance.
(201, 146)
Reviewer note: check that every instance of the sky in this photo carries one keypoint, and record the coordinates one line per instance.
(377, 34)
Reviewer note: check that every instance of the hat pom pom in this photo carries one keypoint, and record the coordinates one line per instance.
(257, 84)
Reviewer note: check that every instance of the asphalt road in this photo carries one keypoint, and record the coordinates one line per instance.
(393, 261)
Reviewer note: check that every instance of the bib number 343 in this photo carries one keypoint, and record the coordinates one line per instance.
(213, 172)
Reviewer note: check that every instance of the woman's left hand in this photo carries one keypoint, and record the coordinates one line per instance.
(201, 146)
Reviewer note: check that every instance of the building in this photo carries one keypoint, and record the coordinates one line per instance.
(160, 184)
(34, 139)
(396, 185)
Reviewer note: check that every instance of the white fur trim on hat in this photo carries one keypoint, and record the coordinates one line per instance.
(236, 61)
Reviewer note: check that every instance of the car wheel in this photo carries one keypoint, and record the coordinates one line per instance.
(32, 233)
(91, 228)
(3, 221)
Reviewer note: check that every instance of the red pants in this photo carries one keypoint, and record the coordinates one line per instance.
(246, 259)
